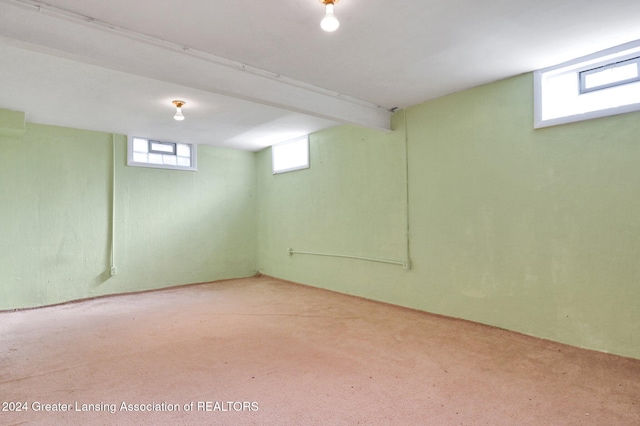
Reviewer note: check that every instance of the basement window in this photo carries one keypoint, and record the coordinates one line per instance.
(610, 75)
(605, 83)
(290, 155)
(144, 152)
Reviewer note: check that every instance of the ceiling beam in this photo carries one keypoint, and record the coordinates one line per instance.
(52, 30)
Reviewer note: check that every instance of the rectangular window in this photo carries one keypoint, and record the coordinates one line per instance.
(290, 155)
(162, 147)
(609, 75)
(144, 152)
(602, 84)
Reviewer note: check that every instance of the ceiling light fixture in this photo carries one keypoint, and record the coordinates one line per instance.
(178, 105)
(329, 23)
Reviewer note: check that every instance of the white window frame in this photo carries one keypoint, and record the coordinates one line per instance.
(576, 103)
(279, 148)
(193, 149)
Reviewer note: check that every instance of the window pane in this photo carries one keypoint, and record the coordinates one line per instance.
(169, 159)
(183, 150)
(293, 155)
(611, 75)
(140, 145)
(184, 161)
(155, 158)
(167, 147)
(139, 157)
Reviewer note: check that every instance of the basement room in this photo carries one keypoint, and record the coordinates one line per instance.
(319, 212)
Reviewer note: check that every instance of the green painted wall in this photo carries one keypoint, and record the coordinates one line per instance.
(12, 123)
(351, 201)
(171, 227)
(536, 231)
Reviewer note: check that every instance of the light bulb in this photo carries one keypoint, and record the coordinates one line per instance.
(178, 105)
(329, 23)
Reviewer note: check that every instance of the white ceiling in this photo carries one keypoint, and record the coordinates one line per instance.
(255, 72)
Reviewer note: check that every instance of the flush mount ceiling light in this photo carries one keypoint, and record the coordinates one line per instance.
(178, 115)
(329, 23)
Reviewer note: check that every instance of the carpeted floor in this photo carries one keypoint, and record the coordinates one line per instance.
(261, 351)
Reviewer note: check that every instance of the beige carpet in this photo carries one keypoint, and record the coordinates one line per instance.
(261, 351)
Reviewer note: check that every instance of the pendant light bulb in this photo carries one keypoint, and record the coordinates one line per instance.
(178, 115)
(329, 23)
